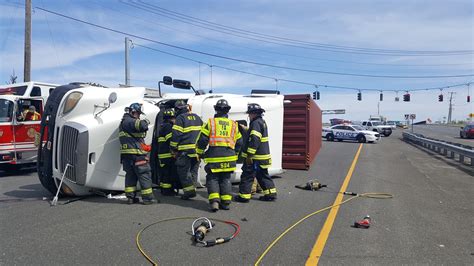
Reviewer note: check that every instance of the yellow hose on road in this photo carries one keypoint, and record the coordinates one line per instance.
(138, 236)
(365, 195)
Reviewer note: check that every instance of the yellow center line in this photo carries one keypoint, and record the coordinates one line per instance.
(318, 247)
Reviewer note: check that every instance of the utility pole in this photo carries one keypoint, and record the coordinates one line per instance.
(450, 112)
(27, 56)
(127, 61)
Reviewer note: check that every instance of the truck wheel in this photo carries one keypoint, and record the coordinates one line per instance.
(48, 183)
(387, 132)
(361, 139)
(330, 137)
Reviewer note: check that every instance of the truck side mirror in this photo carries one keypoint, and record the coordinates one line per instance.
(167, 80)
(181, 84)
(112, 97)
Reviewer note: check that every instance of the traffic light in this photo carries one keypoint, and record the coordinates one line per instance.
(440, 98)
(316, 95)
(381, 97)
(468, 98)
(359, 96)
(406, 97)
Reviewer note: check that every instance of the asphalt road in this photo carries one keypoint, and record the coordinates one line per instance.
(446, 133)
(428, 221)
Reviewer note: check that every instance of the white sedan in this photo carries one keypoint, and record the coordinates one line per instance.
(350, 132)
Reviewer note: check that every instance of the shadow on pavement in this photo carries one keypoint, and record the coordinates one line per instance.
(24, 170)
(31, 192)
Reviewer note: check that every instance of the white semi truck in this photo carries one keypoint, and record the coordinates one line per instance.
(81, 129)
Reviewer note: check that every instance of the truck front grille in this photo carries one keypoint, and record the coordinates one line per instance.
(68, 151)
(74, 145)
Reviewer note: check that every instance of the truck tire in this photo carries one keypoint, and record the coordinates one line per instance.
(330, 137)
(387, 132)
(361, 139)
(44, 163)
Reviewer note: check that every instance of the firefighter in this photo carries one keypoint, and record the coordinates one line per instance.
(30, 114)
(133, 153)
(167, 166)
(224, 140)
(256, 153)
(183, 147)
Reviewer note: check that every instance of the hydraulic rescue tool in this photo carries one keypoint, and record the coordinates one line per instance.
(311, 185)
(200, 227)
(199, 232)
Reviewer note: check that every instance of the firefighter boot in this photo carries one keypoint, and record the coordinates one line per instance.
(267, 198)
(224, 206)
(238, 198)
(188, 195)
(132, 198)
(214, 206)
(150, 201)
(168, 192)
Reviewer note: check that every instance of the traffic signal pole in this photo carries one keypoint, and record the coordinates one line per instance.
(450, 111)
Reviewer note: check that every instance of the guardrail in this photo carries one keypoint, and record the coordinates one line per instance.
(448, 149)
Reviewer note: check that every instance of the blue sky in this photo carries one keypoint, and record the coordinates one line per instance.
(66, 51)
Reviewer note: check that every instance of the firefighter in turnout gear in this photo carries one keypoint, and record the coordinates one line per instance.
(256, 152)
(169, 181)
(224, 140)
(133, 153)
(183, 146)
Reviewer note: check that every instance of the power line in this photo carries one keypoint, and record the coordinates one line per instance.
(267, 51)
(289, 80)
(282, 40)
(248, 61)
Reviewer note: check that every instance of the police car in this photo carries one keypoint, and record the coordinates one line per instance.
(350, 132)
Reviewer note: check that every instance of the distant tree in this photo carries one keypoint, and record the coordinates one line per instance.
(13, 78)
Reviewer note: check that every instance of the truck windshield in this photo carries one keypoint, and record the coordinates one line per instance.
(19, 90)
(6, 110)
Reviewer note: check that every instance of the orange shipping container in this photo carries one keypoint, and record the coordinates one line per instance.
(302, 127)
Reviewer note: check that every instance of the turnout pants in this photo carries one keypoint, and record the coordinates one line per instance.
(249, 171)
(137, 173)
(218, 186)
(169, 177)
(187, 169)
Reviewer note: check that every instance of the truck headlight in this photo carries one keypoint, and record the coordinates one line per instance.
(71, 101)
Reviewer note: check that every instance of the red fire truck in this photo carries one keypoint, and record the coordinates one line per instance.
(21, 107)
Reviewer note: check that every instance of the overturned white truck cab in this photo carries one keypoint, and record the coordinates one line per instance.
(81, 121)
